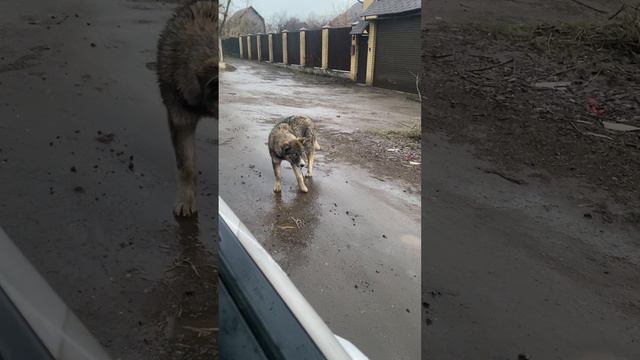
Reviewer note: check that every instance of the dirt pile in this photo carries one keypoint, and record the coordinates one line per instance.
(561, 99)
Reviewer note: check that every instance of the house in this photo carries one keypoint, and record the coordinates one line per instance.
(243, 22)
(349, 17)
(386, 43)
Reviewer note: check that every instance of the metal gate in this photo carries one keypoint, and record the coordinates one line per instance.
(363, 47)
(398, 53)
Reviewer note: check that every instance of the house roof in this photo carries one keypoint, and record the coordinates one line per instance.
(351, 15)
(241, 12)
(392, 7)
(359, 27)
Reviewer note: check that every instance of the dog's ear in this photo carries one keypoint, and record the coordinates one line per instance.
(301, 139)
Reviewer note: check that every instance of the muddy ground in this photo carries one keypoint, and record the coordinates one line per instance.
(87, 174)
(539, 96)
(351, 244)
(391, 154)
(521, 95)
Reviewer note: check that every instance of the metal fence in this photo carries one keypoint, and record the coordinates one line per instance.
(293, 47)
(396, 57)
(254, 47)
(277, 48)
(245, 48)
(340, 48)
(313, 48)
(264, 47)
(231, 47)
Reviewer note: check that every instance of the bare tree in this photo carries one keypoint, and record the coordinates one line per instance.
(225, 11)
(315, 21)
(281, 21)
(277, 21)
(293, 24)
(341, 16)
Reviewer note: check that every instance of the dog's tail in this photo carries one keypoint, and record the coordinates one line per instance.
(316, 146)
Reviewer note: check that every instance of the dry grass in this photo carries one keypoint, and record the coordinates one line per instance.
(412, 133)
(620, 34)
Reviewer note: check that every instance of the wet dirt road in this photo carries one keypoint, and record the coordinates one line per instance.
(87, 175)
(356, 254)
(511, 269)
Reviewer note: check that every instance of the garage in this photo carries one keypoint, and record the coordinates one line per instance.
(395, 27)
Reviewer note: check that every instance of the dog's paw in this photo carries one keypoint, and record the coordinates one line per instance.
(277, 188)
(185, 205)
(309, 175)
(185, 210)
(304, 189)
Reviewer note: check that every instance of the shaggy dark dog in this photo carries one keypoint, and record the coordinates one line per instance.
(187, 69)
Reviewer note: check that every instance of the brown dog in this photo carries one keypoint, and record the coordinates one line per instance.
(187, 69)
(294, 140)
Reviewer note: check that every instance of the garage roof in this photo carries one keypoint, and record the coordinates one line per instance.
(359, 27)
(392, 7)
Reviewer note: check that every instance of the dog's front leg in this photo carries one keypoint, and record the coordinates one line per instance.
(311, 158)
(183, 127)
(276, 171)
(298, 172)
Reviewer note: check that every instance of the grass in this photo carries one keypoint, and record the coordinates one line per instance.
(621, 33)
(412, 133)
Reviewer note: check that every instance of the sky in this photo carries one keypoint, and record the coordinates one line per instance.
(298, 8)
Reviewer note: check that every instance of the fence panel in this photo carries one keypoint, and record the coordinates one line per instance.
(264, 47)
(245, 48)
(293, 47)
(231, 47)
(277, 48)
(340, 48)
(254, 47)
(313, 48)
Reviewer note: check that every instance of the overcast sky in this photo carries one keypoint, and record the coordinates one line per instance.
(298, 8)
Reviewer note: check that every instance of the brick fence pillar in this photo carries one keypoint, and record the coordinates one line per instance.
(325, 46)
(285, 50)
(371, 54)
(303, 47)
(249, 54)
(241, 48)
(259, 46)
(270, 47)
(353, 69)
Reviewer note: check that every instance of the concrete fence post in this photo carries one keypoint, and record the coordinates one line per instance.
(303, 47)
(259, 46)
(325, 46)
(241, 48)
(353, 73)
(220, 50)
(249, 54)
(285, 50)
(371, 54)
(270, 40)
